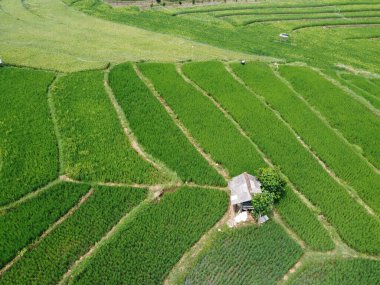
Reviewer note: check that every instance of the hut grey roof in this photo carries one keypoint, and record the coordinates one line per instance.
(242, 187)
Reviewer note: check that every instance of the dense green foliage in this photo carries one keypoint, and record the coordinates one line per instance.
(283, 148)
(94, 145)
(303, 222)
(358, 125)
(248, 255)
(271, 181)
(340, 271)
(213, 131)
(46, 263)
(262, 204)
(28, 148)
(147, 247)
(25, 223)
(156, 131)
(340, 157)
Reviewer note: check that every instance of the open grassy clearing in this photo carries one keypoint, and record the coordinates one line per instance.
(283, 148)
(360, 126)
(339, 271)
(262, 255)
(94, 146)
(146, 247)
(28, 147)
(52, 35)
(324, 50)
(24, 224)
(156, 131)
(208, 125)
(342, 158)
(49, 261)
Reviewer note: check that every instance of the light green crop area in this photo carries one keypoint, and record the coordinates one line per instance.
(49, 34)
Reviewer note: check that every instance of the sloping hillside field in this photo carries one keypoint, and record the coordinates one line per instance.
(121, 125)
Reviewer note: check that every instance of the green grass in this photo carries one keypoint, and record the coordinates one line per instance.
(249, 255)
(344, 271)
(51, 35)
(363, 83)
(93, 143)
(28, 147)
(359, 125)
(304, 222)
(148, 246)
(334, 151)
(216, 135)
(156, 130)
(50, 260)
(22, 225)
(282, 147)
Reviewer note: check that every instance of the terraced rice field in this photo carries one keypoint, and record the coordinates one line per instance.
(120, 128)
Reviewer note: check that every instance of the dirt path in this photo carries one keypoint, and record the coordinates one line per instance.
(223, 172)
(47, 232)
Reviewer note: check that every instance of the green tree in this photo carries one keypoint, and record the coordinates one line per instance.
(262, 204)
(271, 181)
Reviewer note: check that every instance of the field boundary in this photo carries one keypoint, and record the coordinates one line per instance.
(34, 244)
(221, 171)
(129, 133)
(350, 191)
(325, 121)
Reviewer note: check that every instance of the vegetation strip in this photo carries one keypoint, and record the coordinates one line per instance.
(215, 134)
(333, 151)
(359, 126)
(179, 124)
(155, 129)
(24, 224)
(76, 234)
(279, 142)
(245, 255)
(146, 247)
(28, 148)
(94, 146)
(307, 227)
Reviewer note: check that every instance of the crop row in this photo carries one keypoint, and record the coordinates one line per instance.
(213, 131)
(356, 122)
(28, 147)
(338, 22)
(334, 151)
(209, 9)
(94, 145)
(156, 131)
(22, 225)
(339, 271)
(50, 260)
(354, 224)
(362, 87)
(303, 222)
(148, 246)
(298, 11)
(248, 255)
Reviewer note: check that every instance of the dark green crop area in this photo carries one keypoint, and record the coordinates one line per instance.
(147, 247)
(156, 130)
(46, 263)
(250, 255)
(23, 224)
(28, 146)
(94, 145)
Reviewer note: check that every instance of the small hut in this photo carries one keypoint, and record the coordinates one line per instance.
(242, 188)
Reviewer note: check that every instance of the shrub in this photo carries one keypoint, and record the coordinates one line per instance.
(271, 181)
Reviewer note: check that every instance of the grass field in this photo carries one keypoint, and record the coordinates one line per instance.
(120, 127)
